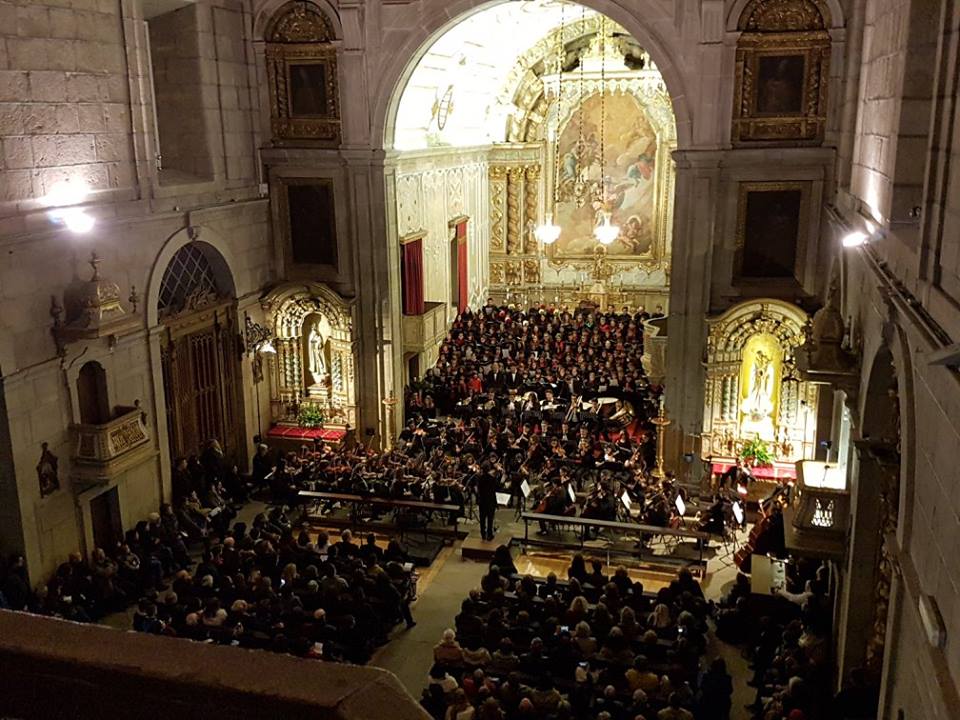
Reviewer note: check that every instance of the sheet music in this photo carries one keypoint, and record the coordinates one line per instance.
(525, 488)
(503, 498)
(681, 505)
(738, 512)
(625, 499)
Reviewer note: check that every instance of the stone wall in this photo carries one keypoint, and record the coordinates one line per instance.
(432, 188)
(64, 98)
(57, 669)
(76, 104)
(902, 293)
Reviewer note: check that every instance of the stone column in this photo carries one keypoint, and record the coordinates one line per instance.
(376, 276)
(694, 223)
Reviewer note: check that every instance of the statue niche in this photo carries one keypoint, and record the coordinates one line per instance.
(760, 371)
(316, 351)
(315, 360)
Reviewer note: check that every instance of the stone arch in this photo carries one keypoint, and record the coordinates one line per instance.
(214, 247)
(893, 353)
(440, 16)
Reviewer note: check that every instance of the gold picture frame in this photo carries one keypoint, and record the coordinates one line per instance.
(782, 73)
(766, 213)
(302, 76)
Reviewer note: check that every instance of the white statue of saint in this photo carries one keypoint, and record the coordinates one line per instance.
(758, 405)
(315, 361)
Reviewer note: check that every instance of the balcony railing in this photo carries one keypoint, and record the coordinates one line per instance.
(102, 451)
(422, 332)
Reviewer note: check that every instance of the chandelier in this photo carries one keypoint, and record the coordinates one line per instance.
(548, 232)
(605, 231)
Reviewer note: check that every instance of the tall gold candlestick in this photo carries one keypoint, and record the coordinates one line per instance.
(660, 422)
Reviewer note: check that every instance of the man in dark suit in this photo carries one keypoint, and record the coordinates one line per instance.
(495, 378)
(487, 486)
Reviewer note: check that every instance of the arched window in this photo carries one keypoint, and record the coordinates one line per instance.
(189, 278)
(92, 394)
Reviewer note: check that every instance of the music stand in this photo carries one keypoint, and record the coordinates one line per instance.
(680, 505)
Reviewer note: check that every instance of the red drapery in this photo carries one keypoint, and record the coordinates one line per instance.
(462, 299)
(411, 276)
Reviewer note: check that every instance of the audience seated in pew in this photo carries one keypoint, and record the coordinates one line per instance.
(578, 650)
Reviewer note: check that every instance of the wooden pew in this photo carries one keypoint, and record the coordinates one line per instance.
(621, 527)
(359, 501)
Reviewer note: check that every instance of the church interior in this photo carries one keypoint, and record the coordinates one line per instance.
(493, 359)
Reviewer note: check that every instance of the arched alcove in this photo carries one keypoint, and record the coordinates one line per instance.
(92, 398)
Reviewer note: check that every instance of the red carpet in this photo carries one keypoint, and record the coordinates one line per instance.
(777, 471)
(287, 432)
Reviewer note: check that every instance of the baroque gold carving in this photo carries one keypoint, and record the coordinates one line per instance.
(530, 200)
(782, 66)
(298, 22)
(531, 271)
(513, 272)
(302, 75)
(514, 179)
(784, 16)
(497, 201)
(496, 273)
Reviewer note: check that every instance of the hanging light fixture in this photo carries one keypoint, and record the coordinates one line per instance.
(548, 232)
(605, 232)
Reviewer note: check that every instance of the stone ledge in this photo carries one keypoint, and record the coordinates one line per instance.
(56, 668)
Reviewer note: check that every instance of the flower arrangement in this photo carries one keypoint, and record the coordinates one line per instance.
(756, 453)
(310, 416)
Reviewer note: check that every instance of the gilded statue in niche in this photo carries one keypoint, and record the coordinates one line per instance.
(626, 184)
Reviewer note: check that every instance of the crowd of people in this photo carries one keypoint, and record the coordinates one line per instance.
(194, 572)
(547, 407)
(588, 646)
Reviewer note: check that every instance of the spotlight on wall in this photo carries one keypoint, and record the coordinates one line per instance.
(854, 239)
(78, 221)
(61, 197)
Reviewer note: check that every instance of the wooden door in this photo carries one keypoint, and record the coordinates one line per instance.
(105, 517)
(201, 371)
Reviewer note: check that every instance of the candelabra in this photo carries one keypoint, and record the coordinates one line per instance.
(390, 403)
(660, 422)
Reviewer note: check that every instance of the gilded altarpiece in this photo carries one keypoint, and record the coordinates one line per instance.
(782, 71)
(315, 359)
(514, 173)
(302, 75)
(595, 87)
(753, 389)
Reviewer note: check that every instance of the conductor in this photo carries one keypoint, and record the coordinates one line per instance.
(487, 485)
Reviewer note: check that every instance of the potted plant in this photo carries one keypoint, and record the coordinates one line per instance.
(756, 453)
(310, 416)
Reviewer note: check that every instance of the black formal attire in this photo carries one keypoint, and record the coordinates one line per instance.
(487, 503)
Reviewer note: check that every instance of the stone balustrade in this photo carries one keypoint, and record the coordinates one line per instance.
(102, 451)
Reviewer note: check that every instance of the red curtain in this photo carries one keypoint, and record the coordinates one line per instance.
(462, 300)
(411, 276)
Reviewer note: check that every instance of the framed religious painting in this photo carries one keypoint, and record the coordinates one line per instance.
(302, 76)
(782, 72)
(772, 222)
(308, 215)
(631, 178)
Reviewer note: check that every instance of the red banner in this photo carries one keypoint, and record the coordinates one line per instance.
(411, 276)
